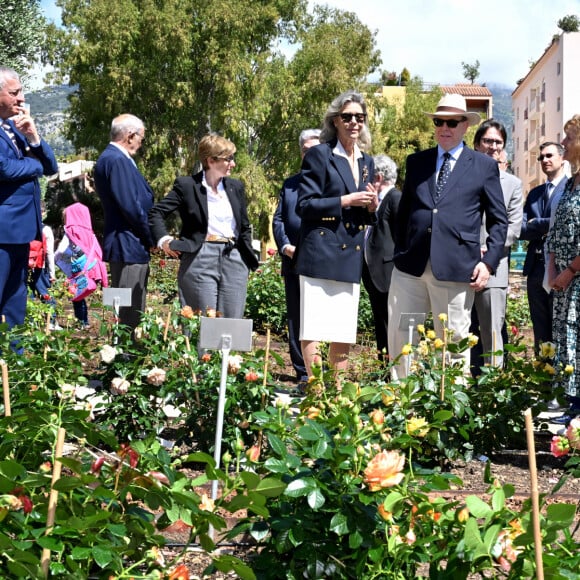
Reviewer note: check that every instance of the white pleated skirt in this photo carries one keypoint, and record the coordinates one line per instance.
(328, 310)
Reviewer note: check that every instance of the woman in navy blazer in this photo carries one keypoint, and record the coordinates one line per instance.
(336, 200)
(215, 242)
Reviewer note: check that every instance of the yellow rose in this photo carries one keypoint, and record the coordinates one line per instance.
(472, 340)
(438, 343)
(431, 335)
(568, 369)
(407, 349)
(420, 328)
(417, 426)
(443, 317)
(547, 350)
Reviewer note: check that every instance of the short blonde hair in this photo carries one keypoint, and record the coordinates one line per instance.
(216, 146)
(573, 126)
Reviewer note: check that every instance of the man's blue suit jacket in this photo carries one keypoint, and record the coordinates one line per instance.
(286, 221)
(127, 198)
(20, 216)
(447, 231)
(536, 222)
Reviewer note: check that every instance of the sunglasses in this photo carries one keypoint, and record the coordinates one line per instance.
(358, 117)
(545, 156)
(451, 123)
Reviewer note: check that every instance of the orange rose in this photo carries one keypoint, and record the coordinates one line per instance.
(384, 470)
(187, 312)
(377, 417)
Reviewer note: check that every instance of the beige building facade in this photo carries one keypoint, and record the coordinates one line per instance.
(543, 101)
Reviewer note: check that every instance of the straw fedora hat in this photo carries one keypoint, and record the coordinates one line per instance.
(453, 105)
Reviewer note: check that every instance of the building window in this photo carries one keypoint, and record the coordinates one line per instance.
(558, 104)
(558, 68)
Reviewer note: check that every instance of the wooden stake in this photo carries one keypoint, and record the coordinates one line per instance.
(193, 375)
(53, 498)
(47, 332)
(535, 494)
(6, 389)
(167, 323)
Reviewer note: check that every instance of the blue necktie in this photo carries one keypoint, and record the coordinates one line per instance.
(8, 130)
(444, 174)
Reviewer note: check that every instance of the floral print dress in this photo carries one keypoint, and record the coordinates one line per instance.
(564, 242)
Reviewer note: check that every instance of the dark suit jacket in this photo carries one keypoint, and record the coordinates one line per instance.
(286, 221)
(127, 199)
(331, 237)
(380, 246)
(189, 197)
(536, 231)
(447, 231)
(20, 216)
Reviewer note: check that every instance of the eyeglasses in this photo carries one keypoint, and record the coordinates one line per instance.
(229, 158)
(358, 117)
(487, 141)
(141, 137)
(451, 123)
(545, 156)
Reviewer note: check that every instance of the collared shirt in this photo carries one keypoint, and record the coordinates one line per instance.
(220, 216)
(124, 151)
(341, 151)
(455, 153)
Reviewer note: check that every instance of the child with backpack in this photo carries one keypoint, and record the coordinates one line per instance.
(80, 257)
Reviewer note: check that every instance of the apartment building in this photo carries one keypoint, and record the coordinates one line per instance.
(543, 101)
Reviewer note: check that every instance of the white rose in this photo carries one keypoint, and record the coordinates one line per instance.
(108, 354)
(119, 386)
(156, 376)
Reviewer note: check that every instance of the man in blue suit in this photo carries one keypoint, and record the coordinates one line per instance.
(286, 227)
(24, 158)
(540, 204)
(127, 198)
(438, 259)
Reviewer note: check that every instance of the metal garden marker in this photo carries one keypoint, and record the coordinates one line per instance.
(116, 297)
(409, 321)
(224, 334)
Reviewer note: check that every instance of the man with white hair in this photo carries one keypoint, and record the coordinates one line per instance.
(24, 158)
(286, 228)
(379, 249)
(438, 261)
(127, 199)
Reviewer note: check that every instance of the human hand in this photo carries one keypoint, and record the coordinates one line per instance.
(362, 199)
(563, 280)
(480, 276)
(25, 125)
(289, 250)
(168, 251)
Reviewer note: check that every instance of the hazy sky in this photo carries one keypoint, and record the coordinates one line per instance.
(433, 37)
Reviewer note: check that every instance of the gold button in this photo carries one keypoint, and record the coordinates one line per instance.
(435, 210)
(361, 227)
(429, 230)
(347, 226)
(358, 248)
(321, 233)
(344, 246)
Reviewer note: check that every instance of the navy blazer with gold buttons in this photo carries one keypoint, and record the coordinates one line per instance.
(331, 237)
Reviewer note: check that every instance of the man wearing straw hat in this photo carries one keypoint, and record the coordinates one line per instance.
(438, 261)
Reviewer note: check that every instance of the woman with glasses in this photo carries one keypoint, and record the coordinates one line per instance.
(215, 242)
(336, 201)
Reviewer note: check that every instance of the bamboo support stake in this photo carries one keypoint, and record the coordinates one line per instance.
(193, 375)
(6, 389)
(47, 332)
(264, 381)
(535, 495)
(167, 323)
(53, 498)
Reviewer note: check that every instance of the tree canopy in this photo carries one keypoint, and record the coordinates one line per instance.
(190, 67)
(570, 23)
(22, 28)
(470, 71)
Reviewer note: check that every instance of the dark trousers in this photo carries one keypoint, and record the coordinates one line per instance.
(81, 311)
(134, 276)
(379, 305)
(13, 274)
(540, 303)
(292, 287)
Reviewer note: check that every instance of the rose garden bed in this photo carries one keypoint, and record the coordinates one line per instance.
(375, 481)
